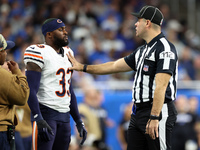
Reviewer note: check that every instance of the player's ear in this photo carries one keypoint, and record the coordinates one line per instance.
(49, 35)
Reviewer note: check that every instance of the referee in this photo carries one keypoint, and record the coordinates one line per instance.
(154, 86)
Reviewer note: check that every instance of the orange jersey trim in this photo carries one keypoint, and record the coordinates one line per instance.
(34, 136)
(33, 55)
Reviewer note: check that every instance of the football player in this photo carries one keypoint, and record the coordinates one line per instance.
(52, 99)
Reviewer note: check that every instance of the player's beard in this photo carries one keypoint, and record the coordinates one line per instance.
(60, 42)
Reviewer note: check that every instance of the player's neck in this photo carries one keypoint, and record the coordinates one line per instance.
(56, 48)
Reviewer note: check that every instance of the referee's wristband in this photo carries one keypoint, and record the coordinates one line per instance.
(85, 68)
(154, 117)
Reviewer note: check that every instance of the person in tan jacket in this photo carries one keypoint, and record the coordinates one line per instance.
(14, 90)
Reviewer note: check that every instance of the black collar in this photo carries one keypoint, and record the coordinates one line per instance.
(155, 39)
(61, 52)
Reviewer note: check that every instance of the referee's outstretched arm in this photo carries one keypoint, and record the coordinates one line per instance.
(106, 68)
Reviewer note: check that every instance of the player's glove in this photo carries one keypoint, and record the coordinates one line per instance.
(44, 130)
(82, 131)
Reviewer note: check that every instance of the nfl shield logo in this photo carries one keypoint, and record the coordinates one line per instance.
(146, 68)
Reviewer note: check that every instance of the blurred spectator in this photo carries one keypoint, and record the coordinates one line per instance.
(98, 55)
(111, 15)
(123, 127)
(110, 23)
(193, 109)
(165, 9)
(186, 63)
(197, 128)
(95, 119)
(173, 29)
(126, 34)
(17, 21)
(4, 11)
(193, 105)
(112, 46)
(184, 136)
(197, 66)
(23, 132)
(192, 39)
(185, 53)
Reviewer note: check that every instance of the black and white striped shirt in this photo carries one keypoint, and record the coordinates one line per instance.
(158, 56)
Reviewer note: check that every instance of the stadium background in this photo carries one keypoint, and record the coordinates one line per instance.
(114, 104)
(103, 30)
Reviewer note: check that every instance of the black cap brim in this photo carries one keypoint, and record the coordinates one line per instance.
(136, 15)
(10, 44)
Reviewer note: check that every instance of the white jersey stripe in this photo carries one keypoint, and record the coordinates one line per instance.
(136, 81)
(167, 49)
(146, 81)
(146, 88)
(171, 87)
(137, 90)
(162, 127)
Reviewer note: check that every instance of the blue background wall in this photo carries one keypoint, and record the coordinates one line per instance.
(114, 102)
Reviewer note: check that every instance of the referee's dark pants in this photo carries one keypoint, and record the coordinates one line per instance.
(138, 140)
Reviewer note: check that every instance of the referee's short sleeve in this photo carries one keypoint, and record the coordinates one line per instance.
(130, 60)
(166, 59)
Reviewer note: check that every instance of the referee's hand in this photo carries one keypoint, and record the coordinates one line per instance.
(152, 128)
(75, 64)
